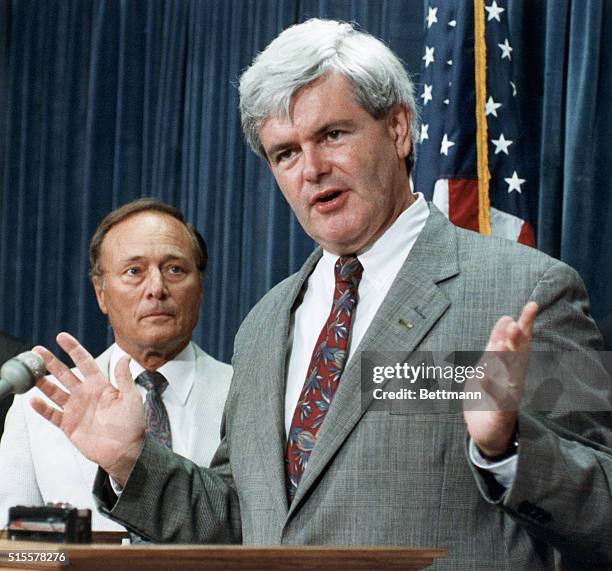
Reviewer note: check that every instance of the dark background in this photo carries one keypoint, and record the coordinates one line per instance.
(105, 101)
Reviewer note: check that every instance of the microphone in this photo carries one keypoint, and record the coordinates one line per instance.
(20, 373)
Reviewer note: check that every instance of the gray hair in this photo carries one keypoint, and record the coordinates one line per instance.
(303, 53)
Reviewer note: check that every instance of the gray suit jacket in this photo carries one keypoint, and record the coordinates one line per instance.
(398, 479)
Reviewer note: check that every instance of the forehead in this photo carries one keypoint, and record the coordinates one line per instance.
(147, 234)
(327, 100)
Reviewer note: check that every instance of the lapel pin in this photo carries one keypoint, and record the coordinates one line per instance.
(406, 324)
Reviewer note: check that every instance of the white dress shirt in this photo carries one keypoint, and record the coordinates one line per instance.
(39, 464)
(180, 374)
(379, 271)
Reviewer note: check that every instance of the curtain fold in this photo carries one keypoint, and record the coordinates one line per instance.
(110, 101)
(566, 98)
(106, 101)
(586, 236)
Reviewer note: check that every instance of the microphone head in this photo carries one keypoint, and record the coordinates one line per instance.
(22, 372)
(34, 363)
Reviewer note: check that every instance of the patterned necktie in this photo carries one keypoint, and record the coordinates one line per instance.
(324, 371)
(157, 422)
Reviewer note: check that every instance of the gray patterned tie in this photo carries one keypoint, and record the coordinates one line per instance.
(157, 422)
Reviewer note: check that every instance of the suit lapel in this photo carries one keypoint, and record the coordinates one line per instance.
(270, 403)
(410, 310)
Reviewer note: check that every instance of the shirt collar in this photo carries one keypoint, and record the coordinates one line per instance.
(379, 267)
(180, 372)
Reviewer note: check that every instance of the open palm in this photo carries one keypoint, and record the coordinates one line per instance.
(105, 423)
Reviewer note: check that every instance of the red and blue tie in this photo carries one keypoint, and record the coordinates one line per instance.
(324, 372)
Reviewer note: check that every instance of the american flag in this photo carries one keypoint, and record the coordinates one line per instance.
(469, 154)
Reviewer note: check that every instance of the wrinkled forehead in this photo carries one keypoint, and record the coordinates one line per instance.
(147, 234)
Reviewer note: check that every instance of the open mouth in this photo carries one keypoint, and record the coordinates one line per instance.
(329, 197)
(329, 201)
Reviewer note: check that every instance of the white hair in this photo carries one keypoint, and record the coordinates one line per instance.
(305, 52)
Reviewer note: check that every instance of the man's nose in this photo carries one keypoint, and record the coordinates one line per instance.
(156, 285)
(316, 164)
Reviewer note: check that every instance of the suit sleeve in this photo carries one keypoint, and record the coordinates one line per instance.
(169, 499)
(562, 491)
(18, 483)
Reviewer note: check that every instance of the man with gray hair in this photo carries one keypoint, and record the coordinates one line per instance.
(306, 458)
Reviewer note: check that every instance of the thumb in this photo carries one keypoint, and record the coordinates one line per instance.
(123, 376)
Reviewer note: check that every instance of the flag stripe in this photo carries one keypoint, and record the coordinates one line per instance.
(463, 198)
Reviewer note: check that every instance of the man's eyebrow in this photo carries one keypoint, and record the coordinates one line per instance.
(166, 258)
(330, 126)
(278, 148)
(333, 125)
(131, 259)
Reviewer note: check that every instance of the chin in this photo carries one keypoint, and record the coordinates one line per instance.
(341, 246)
(165, 343)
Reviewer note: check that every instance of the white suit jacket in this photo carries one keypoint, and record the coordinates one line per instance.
(38, 464)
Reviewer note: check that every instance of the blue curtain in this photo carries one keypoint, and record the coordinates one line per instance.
(103, 101)
(563, 52)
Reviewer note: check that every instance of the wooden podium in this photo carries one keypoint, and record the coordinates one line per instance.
(107, 557)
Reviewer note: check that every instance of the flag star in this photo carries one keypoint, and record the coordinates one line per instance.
(446, 101)
(501, 144)
(513, 88)
(424, 132)
(429, 56)
(514, 183)
(491, 107)
(427, 95)
(506, 49)
(494, 11)
(452, 23)
(446, 144)
(449, 62)
(432, 17)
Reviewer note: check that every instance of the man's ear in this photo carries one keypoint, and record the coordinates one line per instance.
(398, 123)
(98, 284)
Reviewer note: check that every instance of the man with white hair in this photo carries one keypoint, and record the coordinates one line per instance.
(305, 458)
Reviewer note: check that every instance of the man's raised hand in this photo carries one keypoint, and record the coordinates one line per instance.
(105, 423)
(506, 358)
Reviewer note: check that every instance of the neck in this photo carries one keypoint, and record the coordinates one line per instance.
(152, 358)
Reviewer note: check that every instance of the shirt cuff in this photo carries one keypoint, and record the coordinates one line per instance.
(504, 471)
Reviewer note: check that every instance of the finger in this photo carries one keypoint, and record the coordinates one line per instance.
(498, 333)
(53, 391)
(46, 411)
(513, 337)
(520, 334)
(79, 355)
(527, 318)
(123, 376)
(57, 368)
